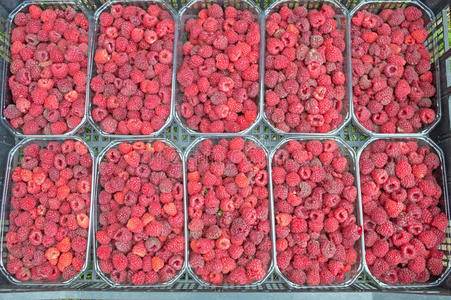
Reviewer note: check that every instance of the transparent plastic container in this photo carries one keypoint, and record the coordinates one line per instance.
(14, 158)
(341, 16)
(189, 152)
(6, 97)
(357, 268)
(98, 189)
(444, 205)
(144, 4)
(191, 10)
(374, 6)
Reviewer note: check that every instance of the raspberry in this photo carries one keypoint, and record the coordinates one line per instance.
(120, 261)
(378, 215)
(440, 222)
(177, 244)
(379, 267)
(402, 89)
(428, 238)
(340, 164)
(394, 208)
(313, 277)
(435, 266)
(79, 244)
(380, 248)
(406, 276)
(419, 35)
(393, 257)
(333, 54)
(103, 252)
(403, 168)
(417, 265)
(138, 278)
(135, 225)
(412, 13)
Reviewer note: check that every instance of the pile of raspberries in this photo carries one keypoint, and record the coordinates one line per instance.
(403, 222)
(229, 223)
(134, 58)
(49, 50)
(49, 222)
(304, 76)
(393, 89)
(315, 199)
(140, 234)
(220, 78)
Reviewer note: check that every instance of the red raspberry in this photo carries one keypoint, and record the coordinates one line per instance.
(378, 215)
(333, 54)
(393, 257)
(435, 266)
(380, 248)
(403, 168)
(419, 35)
(428, 238)
(417, 265)
(394, 208)
(412, 13)
(440, 222)
(103, 252)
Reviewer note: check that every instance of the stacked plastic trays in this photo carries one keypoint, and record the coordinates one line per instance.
(231, 204)
(47, 195)
(424, 112)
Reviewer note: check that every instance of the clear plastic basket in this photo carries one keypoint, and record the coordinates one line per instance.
(93, 70)
(374, 6)
(14, 158)
(6, 97)
(341, 16)
(97, 190)
(189, 153)
(444, 204)
(357, 268)
(191, 10)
